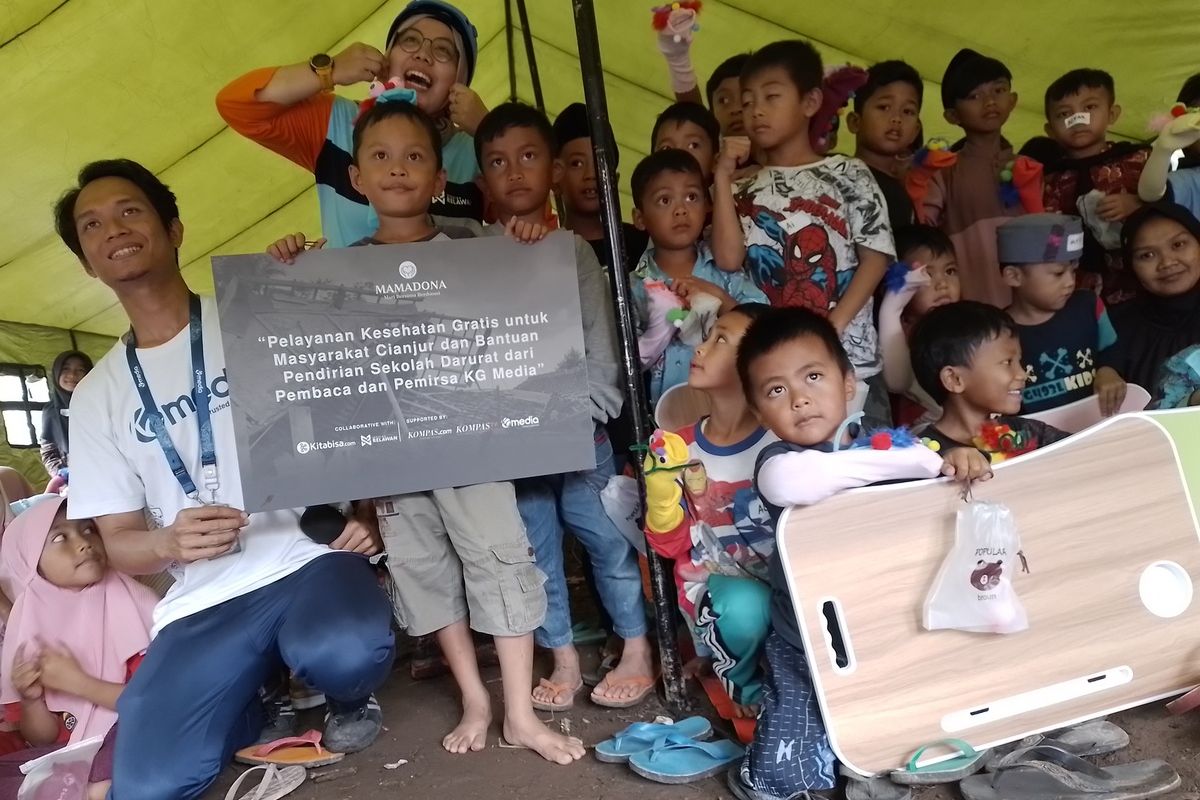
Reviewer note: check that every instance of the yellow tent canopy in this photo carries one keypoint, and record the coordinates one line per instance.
(102, 79)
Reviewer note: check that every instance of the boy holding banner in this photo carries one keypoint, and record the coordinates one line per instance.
(459, 557)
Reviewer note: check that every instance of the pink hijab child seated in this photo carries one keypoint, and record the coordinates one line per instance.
(66, 597)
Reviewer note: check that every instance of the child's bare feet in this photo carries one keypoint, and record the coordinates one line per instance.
(528, 731)
(745, 711)
(471, 733)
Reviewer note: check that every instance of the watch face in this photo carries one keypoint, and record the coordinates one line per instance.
(321, 61)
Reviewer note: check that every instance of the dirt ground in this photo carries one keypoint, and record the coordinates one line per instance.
(417, 714)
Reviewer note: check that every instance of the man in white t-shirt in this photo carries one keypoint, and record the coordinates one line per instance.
(251, 590)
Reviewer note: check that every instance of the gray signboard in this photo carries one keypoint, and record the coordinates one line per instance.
(371, 371)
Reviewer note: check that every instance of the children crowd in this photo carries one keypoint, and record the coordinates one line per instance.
(950, 289)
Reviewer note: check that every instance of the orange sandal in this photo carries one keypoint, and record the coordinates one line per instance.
(303, 751)
(644, 685)
(557, 689)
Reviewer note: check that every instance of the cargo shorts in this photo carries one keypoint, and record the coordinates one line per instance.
(460, 554)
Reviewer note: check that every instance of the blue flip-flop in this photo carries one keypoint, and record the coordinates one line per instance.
(641, 736)
(677, 760)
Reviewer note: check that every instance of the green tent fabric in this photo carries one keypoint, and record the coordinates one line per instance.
(105, 78)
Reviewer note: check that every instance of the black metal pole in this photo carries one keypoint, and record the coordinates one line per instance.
(512, 56)
(606, 158)
(527, 35)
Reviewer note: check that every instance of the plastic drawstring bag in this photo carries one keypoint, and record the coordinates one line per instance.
(61, 775)
(620, 500)
(974, 588)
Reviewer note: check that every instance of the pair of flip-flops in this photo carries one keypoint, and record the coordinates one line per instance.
(1045, 772)
(670, 753)
(643, 686)
(276, 783)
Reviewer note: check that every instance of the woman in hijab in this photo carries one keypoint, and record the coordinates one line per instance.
(1161, 243)
(68, 370)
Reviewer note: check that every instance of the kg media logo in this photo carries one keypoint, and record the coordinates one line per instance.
(524, 422)
(408, 270)
(184, 406)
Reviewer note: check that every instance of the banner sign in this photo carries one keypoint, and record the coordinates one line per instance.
(372, 371)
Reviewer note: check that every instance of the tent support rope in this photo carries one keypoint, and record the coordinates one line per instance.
(606, 158)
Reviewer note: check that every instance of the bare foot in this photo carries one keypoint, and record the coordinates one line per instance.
(530, 732)
(567, 677)
(628, 679)
(745, 711)
(471, 733)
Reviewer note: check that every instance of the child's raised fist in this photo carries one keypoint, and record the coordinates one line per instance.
(735, 151)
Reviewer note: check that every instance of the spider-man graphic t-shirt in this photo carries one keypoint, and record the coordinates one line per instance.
(802, 227)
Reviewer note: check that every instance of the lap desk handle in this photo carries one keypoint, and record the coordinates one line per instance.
(1107, 522)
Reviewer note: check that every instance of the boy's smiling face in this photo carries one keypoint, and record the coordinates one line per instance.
(518, 171)
(421, 70)
(396, 168)
(984, 110)
(690, 137)
(673, 209)
(993, 381)
(577, 180)
(727, 107)
(1080, 122)
(889, 121)
(800, 392)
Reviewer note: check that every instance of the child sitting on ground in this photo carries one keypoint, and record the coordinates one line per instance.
(670, 204)
(577, 188)
(813, 229)
(455, 553)
(1080, 108)
(76, 633)
(985, 185)
(799, 381)
(886, 123)
(515, 146)
(1065, 332)
(930, 281)
(690, 127)
(967, 357)
(710, 522)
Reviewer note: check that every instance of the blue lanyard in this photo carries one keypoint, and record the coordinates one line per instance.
(200, 397)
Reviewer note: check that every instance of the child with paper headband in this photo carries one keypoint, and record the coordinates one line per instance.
(75, 635)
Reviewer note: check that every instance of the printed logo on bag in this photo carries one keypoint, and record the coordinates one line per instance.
(987, 575)
(69, 721)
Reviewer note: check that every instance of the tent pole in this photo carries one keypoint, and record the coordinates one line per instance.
(527, 35)
(508, 41)
(606, 159)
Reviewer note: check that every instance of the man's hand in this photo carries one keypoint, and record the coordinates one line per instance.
(358, 537)
(286, 249)
(525, 232)
(27, 676)
(466, 108)
(966, 464)
(358, 63)
(60, 671)
(1116, 207)
(1110, 390)
(735, 151)
(201, 533)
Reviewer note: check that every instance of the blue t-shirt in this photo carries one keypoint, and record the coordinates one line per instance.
(346, 217)
(673, 366)
(1061, 355)
(1183, 187)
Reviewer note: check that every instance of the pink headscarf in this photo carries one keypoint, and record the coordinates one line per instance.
(103, 626)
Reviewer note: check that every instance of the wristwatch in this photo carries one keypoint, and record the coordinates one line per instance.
(322, 66)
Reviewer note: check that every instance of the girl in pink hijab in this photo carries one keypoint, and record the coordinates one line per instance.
(76, 631)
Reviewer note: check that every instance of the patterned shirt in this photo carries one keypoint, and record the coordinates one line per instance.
(803, 226)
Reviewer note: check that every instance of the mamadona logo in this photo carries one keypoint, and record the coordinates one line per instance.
(408, 270)
(408, 288)
(180, 409)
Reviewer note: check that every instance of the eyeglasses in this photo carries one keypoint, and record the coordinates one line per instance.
(411, 41)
